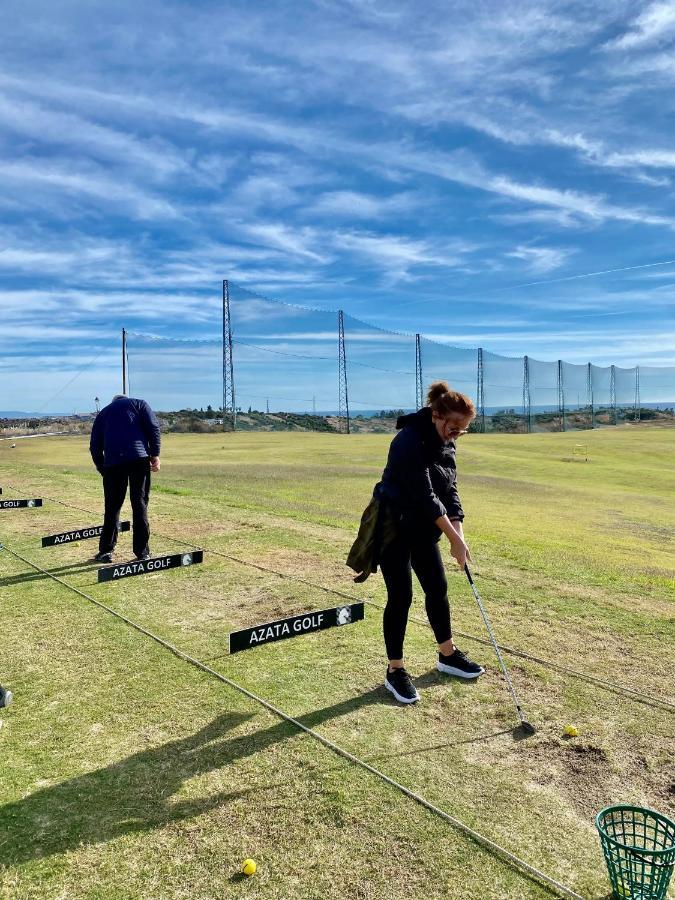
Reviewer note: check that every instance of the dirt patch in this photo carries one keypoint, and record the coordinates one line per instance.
(588, 779)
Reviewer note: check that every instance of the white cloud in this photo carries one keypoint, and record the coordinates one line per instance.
(296, 242)
(357, 205)
(66, 180)
(655, 24)
(541, 259)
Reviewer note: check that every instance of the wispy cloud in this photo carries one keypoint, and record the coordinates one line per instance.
(655, 24)
(541, 259)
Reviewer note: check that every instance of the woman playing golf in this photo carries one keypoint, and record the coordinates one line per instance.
(419, 491)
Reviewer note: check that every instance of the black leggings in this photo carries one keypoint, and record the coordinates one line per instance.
(398, 560)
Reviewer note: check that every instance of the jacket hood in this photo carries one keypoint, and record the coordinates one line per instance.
(420, 419)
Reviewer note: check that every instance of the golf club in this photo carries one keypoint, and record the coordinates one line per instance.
(5, 697)
(527, 727)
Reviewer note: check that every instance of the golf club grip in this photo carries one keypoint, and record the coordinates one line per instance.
(467, 572)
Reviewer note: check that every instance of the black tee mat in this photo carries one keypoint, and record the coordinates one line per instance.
(79, 534)
(19, 504)
(145, 566)
(305, 623)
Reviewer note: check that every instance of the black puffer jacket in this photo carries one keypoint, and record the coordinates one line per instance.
(420, 478)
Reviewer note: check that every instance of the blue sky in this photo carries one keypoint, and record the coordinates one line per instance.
(448, 168)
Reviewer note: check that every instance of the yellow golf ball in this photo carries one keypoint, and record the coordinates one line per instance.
(571, 730)
(248, 867)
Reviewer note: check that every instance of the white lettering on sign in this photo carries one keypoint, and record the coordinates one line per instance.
(308, 623)
(268, 632)
(10, 503)
(153, 564)
(129, 569)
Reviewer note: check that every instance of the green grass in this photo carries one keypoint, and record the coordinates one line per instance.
(128, 773)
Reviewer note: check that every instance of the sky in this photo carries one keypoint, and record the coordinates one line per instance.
(483, 173)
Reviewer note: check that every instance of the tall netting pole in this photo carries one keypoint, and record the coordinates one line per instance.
(419, 387)
(561, 395)
(589, 389)
(527, 404)
(343, 394)
(637, 393)
(229, 407)
(612, 392)
(480, 391)
(124, 361)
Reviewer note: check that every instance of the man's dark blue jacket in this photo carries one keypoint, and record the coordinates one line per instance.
(123, 431)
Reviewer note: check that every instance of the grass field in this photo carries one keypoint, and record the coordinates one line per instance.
(128, 773)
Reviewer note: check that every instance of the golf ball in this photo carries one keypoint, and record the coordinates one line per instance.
(248, 867)
(571, 730)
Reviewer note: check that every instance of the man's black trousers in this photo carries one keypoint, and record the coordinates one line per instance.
(409, 552)
(136, 475)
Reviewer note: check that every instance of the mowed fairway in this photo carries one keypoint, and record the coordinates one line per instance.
(126, 772)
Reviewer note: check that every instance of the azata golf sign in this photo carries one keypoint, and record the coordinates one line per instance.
(305, 623)
(156, 564)
(20, 504)
(78, 534)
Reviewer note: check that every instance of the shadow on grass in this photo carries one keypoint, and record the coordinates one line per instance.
(28, 577)
(134, 795)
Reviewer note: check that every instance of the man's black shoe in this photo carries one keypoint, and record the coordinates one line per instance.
(144, 555)
(400, 685)
(103, 557)
(458, 664)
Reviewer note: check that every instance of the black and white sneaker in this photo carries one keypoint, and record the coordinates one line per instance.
(458, 664)
(5, 697)
(143, 556)
(400, 685)
(103, 557)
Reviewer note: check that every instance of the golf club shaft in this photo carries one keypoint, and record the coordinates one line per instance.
(494, 643)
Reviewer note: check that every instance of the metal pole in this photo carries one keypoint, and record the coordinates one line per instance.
(343, 394)
(229, 405)
(124, 361)
(589, 387)
(419, 400)
(527, 406)
(637, 393)
(561, 395)
(480, 391)
(612, 391)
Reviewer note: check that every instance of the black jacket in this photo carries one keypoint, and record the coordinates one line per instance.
(123, 431)
(420, 478)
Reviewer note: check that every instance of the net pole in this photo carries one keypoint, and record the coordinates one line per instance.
(561, 395)
(612, 391)
(124, 361)
(343, 393)
(637, 393)
(527, 405)
(589, 388)
(419, 381)
(480, 391)
(229, 407)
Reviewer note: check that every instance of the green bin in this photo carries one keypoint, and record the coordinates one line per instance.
(639, 848)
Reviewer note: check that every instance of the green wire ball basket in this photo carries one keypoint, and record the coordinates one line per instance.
(639, 848)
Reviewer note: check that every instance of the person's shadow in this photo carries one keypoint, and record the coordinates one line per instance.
(134, 795)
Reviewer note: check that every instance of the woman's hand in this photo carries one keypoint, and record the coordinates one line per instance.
(459, 550)
(455, 534)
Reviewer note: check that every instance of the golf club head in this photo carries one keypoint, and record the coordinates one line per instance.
(5, 697)
(527, 728)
